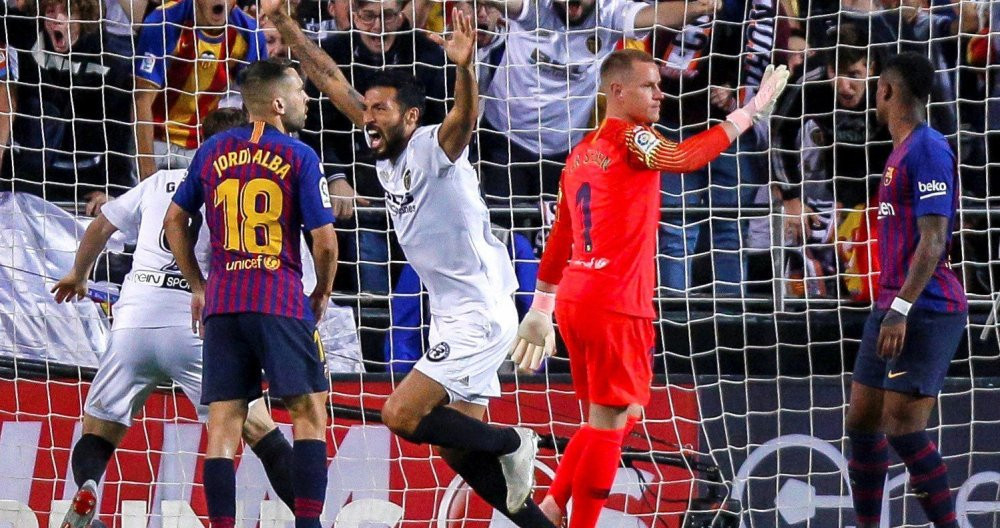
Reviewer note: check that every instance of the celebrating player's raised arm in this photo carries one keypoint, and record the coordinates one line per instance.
(674, 14)
(321, 70)
(457, 128)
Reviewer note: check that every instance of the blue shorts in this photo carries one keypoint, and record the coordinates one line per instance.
(238, 346)
(932, 338)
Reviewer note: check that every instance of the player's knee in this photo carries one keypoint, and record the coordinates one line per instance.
(399, 417)
(258, 424)
(900, 420)
(862, 422)
(309, 416)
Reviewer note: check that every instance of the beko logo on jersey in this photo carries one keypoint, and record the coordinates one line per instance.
(886, 209)
(932, 188)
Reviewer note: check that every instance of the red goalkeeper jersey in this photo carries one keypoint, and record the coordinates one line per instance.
(602, 245)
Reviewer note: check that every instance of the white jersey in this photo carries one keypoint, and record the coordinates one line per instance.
(443, 227)
(154, 294)
(545, 89)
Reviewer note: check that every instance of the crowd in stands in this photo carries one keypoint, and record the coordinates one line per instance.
(98, 94)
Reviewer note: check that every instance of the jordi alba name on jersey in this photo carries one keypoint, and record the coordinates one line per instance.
(443, 227)
(155, 294)
(260, 188)
(920, 179)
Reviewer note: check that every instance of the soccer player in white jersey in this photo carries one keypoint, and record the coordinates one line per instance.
(443, 226)
(151, 339)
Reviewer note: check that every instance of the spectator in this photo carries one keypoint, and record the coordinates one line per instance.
(70, 139)
(325, 17)
(187, 59)
(701, 68)
(542, 98)
(117, 25)
(8, 74)
(830, 147)
(272, 38)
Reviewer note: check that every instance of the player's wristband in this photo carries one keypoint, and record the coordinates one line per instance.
(544, 302)
(901, 305)
(742, 118)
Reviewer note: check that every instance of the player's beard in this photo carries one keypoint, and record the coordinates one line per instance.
(395, 141)
(293, 123)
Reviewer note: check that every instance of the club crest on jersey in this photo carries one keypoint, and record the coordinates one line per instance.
(889, 173)
(438, 352)
(407, 179)
(207, 57)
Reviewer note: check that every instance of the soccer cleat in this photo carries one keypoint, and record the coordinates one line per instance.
(82, 509)
(519, 469)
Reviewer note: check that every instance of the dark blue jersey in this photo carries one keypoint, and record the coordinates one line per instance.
(920, 178)
(260, 187)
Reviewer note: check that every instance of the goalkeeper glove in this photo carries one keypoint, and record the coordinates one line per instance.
(536, 338)
(762, 104)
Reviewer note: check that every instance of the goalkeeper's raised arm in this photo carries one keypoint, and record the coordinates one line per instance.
(604, 235)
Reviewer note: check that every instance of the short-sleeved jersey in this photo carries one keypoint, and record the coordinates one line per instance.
(610, 199)
(195, 69)
(549, 72)
(260, 188)
(8, 63)
(920, 178)
(443, 226)
(154, 280)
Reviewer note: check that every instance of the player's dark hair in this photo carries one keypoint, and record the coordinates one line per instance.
(223, 119)
(259, 78)
(621, 61)
(914, 71)
(409, 92)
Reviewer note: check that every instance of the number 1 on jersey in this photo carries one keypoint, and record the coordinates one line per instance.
(583, 201)
(244, 222)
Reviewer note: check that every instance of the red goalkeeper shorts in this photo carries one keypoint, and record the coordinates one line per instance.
(610, 354)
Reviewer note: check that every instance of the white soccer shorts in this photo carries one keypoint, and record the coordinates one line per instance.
(139, 359)
(465, 352)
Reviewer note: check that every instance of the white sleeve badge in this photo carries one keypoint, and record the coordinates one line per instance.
(324, 190)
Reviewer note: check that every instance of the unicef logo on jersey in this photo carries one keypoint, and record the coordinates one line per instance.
(438, 352)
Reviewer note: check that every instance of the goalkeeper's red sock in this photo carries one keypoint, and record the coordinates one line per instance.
(562, 484)
(592, 481)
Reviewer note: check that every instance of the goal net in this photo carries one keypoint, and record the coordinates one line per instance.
(766, 266)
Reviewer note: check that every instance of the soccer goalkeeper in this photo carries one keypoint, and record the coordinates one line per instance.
(600, 253)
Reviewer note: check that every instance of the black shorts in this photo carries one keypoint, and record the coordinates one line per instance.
(238, 346)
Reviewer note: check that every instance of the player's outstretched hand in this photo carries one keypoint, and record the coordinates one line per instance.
(771, 86)
(270, 7)
(461, 47)
(72, 287)
(197, 305)
(536, 340)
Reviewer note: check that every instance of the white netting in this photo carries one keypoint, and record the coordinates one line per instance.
(760, 307)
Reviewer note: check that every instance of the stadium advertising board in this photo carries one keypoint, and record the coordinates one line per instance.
(155, 478)
(778, 447)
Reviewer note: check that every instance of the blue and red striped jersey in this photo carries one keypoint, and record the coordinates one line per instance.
(921, 178)
(260, 188)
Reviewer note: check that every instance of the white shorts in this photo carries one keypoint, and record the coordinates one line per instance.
(139, 359)
(467, 350)
(171, 156)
